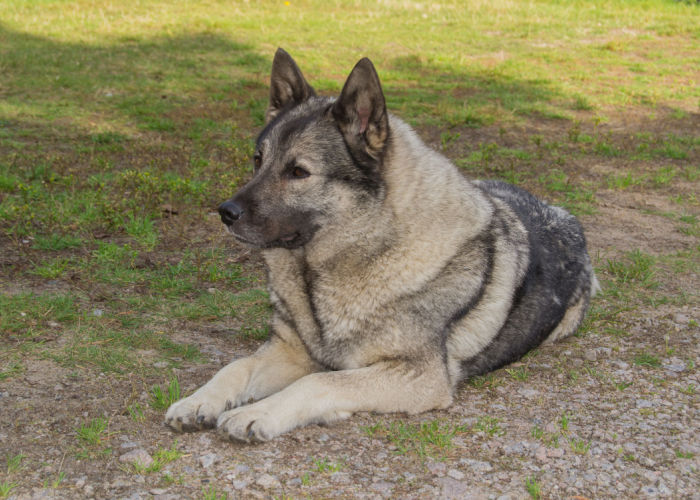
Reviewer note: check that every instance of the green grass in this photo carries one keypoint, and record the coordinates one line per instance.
(161, 457)
(489, 425)
(14, 462)
(26, 315)
(127, 125)
(162, 399)
(579, 446)
(426, 439)
(6, 487)
(325, 466)
(91, 433)
(533, 488)
(646, 359)
(212, 493)
(635, 268)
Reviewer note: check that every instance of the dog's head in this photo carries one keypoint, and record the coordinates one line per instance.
(317, 160)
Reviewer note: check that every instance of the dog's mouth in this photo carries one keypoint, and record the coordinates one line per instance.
(291, 240)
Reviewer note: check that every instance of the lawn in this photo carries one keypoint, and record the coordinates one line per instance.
(124, 124)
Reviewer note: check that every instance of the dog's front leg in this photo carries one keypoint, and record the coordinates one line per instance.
(389, 386)
(275, 365)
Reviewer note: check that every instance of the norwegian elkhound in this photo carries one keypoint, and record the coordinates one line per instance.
(392, 276)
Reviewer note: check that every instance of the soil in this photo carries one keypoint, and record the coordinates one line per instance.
(632, 429)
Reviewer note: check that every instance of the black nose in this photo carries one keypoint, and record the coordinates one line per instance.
(230, 212)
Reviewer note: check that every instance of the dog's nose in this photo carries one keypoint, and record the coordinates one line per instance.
(230, 212)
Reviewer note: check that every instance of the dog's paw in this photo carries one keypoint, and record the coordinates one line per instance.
(194, 413)
(249, 424)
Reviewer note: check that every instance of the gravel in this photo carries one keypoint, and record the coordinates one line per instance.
(605, 427)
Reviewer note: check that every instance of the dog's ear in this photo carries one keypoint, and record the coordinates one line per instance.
(287, 85)
(360, 111)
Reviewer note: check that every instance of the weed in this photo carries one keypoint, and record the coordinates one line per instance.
(306, 479)
(646, 359)
(57, 242)
(91, 434)
(160, 400)
(489, 425)
(564, 422)
(161, 458)
(25, 315)
(625, 180)
(664, 176)
(50, 269)
(537, 432)
(211, 493)
(519, 373)
(14, 462)
(431, 438)
(637, 268)
(371, 430)
(136, 412)
(485, 381)
(686, 454)
(689, 389)
(6, 487)
(621, 386)
(323, 465)
(10, 370)
(142, 229)
(447, 138)
(533, 488)
(579, 446)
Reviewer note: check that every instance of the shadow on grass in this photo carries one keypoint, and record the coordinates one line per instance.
(137, 82)
(152, 83)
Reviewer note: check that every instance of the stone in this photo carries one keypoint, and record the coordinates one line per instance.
(382, 487)
(137, 456)
(239, 485)
(437, 468)
(528, 393)
(208, 460)
(268, 482)
(339, 477)
(455, 474)
(453, 489)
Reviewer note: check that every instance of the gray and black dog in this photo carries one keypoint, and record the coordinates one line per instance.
(392, 276)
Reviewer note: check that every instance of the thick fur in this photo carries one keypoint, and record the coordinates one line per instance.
(392, 276)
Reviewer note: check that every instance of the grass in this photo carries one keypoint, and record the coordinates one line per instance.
(325, 466)
(533, 488)
(161, 457)
(162, 399)
(636, 268)
(92, 433)
(6, 487)
(426, 439)
(646, 359)
(127, 125)
(489, 425)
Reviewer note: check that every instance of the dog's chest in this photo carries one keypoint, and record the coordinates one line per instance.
(333, 323)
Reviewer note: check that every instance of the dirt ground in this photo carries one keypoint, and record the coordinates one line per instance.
(582, 418)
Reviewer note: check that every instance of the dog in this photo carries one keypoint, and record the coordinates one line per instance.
(391, 275)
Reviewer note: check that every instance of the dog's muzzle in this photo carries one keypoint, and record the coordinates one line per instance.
(230, 212)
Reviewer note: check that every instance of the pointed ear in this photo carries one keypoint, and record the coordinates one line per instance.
(287, 85)
(360, 111)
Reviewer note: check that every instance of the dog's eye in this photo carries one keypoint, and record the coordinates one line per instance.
(299, 173)
(257, 160)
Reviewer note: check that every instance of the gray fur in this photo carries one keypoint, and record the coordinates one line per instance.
(392, 276)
